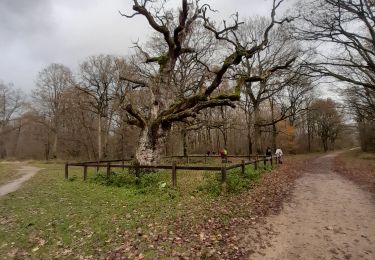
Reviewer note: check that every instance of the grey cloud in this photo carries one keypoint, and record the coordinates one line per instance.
(20, 19)
(35, 33)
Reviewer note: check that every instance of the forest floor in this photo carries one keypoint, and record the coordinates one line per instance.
(50, 217)
(301, 209)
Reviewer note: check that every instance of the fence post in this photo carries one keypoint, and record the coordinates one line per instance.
(256, 164)
(243, 167)
(187, 159)
(174, 174)
(66, 170)
(205, 159)
(223, 178)
(123, 163)
(108, 169)
(85, 172)
(271, 160)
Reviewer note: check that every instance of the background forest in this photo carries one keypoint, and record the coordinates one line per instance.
(260, 82)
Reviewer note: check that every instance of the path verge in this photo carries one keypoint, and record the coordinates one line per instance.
(26, 172)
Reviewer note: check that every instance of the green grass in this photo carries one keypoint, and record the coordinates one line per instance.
(50, 214)
(50, 217)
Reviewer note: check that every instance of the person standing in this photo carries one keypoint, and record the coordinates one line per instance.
(224, 154)
(268, 153)
(279, 155)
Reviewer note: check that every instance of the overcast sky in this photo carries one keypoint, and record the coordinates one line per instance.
(36, 33)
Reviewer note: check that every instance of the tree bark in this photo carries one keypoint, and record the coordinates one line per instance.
(150, 145)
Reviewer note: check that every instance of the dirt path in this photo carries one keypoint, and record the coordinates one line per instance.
(328, 217)
(26, 172)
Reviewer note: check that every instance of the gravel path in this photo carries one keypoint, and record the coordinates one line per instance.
(328, 217)
(26, 172)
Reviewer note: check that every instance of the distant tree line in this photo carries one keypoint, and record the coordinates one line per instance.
(199, 85)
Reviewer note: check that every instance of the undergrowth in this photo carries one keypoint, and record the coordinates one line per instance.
(236, 181)
(145, 182)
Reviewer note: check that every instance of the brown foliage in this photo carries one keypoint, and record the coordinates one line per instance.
(359, 170)
(223, 228)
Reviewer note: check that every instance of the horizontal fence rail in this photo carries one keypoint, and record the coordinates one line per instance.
(110, 164)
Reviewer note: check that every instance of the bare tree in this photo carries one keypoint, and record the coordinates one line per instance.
(361, 103)
(52, 82)
(328, 120)
(269, 73)
(103, 92)
(11, 103)
(164, 108)
(346, 28)
(342, 31)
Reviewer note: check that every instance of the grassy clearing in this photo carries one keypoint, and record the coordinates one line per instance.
(8, 172)
(50, 217)
(53, 217)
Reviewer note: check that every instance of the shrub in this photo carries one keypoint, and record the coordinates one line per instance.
(236, 181)
(144, 180)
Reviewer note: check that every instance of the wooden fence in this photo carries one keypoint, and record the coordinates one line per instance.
(187, 158)
(110, 164)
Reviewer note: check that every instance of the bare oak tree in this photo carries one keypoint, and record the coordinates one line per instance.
(175, 29)
(268, 73)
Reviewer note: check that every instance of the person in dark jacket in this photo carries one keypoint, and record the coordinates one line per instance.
(268, 153)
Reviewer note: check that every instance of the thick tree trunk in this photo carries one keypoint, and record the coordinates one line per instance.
(151, 144)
